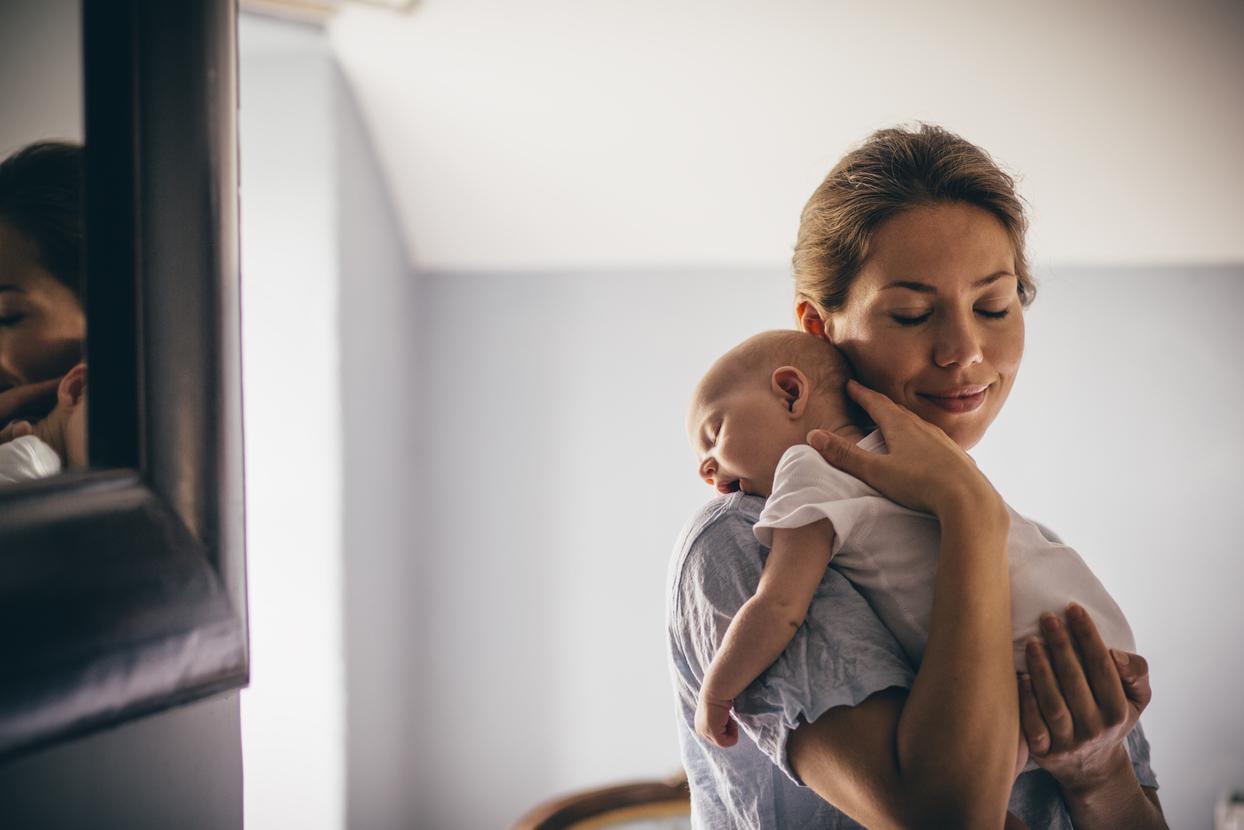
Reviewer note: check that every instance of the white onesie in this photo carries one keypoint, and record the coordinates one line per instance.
(890, 554)
(25, 458)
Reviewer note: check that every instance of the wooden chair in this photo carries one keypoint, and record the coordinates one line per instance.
(647, 804)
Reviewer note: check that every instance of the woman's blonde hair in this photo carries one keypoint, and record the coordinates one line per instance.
(892, 171)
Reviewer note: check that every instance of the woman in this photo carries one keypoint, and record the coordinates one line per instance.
(911, 260)
(42, 323)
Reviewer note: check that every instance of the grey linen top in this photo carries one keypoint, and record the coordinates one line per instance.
(840, 656)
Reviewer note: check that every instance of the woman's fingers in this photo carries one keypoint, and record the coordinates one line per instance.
(39, 396)
(841, 453)
(1099, 667)
(1049, 697)
(1030, 720)
(1086, 718)
(873, 402)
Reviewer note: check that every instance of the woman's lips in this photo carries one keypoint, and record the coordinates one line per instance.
(958, 400)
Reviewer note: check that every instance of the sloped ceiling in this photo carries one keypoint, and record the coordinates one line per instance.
(557, 134)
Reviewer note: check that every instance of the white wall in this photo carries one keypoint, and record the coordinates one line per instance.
(380, 323)
(293, 713)
(534, 135)
(40, 72)
(510, 429)
(554, 442)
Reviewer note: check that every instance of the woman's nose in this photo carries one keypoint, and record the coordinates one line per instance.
(708, 470)
(958, 343)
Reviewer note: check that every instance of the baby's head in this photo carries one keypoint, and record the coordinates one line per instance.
(64, 428)
(760, 399)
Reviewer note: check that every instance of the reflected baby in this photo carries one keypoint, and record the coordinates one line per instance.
(42, 448)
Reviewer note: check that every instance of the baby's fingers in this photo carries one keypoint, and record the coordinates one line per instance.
(729, 735)
(15, 429)
(722, 734)
(1134, 672)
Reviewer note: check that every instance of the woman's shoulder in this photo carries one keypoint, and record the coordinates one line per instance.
(720, 530)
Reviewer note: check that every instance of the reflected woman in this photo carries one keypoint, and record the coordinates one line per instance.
(42, 322)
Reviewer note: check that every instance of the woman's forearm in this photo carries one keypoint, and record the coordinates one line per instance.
(1116, 799)
(959, 728)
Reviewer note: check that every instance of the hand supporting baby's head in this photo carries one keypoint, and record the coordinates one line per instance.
(761, 398)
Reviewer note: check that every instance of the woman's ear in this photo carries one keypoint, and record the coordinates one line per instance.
(811, 319)
(791, 385)
(72, 386)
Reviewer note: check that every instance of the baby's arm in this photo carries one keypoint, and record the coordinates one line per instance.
(764, 625)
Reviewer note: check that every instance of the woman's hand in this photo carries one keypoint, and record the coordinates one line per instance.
(1076, 708)
(924, 469)
(31, 398)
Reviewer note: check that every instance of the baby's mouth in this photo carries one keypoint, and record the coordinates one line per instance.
(727, 487)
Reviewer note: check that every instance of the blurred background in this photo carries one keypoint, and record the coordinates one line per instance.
(488, 247)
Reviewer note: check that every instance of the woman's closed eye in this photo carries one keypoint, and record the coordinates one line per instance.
(906, 317)
(909, 319)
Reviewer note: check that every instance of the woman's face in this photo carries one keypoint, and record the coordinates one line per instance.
(42, 326)
(933, 319)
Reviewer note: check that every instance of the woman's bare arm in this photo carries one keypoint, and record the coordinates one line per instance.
(944, 752)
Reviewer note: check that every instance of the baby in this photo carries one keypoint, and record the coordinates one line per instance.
(747, 424)
(42, 448)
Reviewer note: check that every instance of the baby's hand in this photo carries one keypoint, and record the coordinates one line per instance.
(713, 722)
(15, 429)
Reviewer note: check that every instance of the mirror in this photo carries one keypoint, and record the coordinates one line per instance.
(42, 319)
(122, 586)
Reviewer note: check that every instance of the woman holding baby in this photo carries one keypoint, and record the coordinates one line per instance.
(910, 260)
(42, 320)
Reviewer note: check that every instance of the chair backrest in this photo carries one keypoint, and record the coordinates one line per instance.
(642, 804)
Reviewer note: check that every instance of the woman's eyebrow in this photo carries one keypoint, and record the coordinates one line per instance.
(926, 288)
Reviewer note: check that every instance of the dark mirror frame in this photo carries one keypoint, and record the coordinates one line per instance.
(123, 588)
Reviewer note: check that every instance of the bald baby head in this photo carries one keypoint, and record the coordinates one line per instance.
(760, 399)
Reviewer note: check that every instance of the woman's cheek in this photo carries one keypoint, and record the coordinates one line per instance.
(886, 365)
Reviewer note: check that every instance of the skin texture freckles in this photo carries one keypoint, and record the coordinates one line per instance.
(42, 325)
(933, 319)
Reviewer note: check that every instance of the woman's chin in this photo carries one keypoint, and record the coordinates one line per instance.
(964, 429)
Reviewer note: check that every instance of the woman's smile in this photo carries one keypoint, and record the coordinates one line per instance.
(957, 399)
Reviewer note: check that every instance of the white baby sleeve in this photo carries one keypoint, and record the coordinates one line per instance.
(806, 489)
(26, 458)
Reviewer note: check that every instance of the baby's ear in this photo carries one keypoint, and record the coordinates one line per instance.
(72, 386)
(792, 386)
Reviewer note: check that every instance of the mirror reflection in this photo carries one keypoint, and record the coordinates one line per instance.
(42, 320)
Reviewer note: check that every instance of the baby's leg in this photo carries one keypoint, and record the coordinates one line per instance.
(1021, 760)
(1021, 754)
